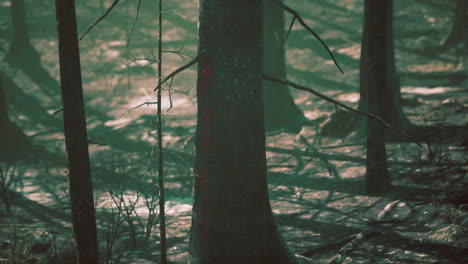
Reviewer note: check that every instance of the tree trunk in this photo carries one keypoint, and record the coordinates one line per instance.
(3, 105)
(14, 144)
(375, 80)
(21, 52)
(458, 25)
(392, 109)
(343, 123)
(280, 110)
(465, 36)
(76, 140)
(232, 220)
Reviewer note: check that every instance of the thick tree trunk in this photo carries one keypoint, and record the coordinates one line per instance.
(232, 221)
(21, 52)
(280, 110)
(76, 139)
(375, 81)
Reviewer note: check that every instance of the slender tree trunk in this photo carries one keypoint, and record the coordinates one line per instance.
(280, 110)
(392, 109)
(232, 221)
(5, 142)
(76, 140)
(21, 52)
(3, 105)
(465, 36)
(14, 144)
(459, 25)
(375, 81)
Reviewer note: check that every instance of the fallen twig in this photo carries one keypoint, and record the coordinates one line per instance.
(350, 246)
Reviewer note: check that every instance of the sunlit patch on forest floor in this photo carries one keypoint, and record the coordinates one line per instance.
(316, 182)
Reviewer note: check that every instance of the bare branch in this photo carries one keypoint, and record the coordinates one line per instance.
(326, 98)
(301, 21)
(134, 22)
(170, 95)
(174, 73)
(101, 18)
(138, 106)
(180, 53)
(290, 27)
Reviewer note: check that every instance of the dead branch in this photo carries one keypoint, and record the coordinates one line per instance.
(387, 210)
(301, 21)
(290, 27)
(140, 105)
(114, 4)
(341, 255)
(134, 22)
(326, 98)
(174, 73)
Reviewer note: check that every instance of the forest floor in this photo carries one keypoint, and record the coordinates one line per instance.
(315, 181)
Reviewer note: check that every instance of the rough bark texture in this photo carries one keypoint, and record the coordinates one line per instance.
(375, 79)
(232, 220)
(21, 52)
(280, 110)
(76, 140)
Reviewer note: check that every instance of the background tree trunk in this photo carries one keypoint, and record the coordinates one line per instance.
(280, 110)
(465, 35)
(459, 25)
(14, 144)
(392, 109)
(232, 220)
(76, 139)
(376, 83)
(21, 52)
(345, 122)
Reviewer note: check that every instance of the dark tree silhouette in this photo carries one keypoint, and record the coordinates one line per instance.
(14, 144)
(21, 52)
(344, 123)
(459, 25)
(375, 82)
(280, 110)
(232, 220)
(76, 141)
(392, 111)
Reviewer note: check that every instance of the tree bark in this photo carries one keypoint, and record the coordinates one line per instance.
(376, 84)
(76, 139)
(232, 220)
(280, 110)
